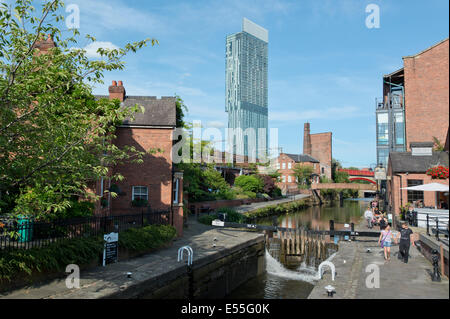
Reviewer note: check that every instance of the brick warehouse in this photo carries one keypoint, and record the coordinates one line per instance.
(426, 94)
(318, 146)
(285, 166)
(155, 180)
(425, 79)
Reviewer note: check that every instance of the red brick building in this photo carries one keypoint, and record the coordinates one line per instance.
(319, 146)
(426, 94)
(285, 166)
(407, 169)
(155, 180)
(425, 77)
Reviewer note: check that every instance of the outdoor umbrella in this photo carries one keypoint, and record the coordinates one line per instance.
(432, 187)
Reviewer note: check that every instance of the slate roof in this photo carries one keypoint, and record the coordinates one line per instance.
(158, 112)
(403, 162)
(300, 158)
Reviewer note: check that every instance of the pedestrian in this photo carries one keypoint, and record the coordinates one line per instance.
(406, 238)
(386, 242)
(368, 215)
(383, 222)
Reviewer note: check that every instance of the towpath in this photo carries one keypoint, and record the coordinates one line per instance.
(358, 261)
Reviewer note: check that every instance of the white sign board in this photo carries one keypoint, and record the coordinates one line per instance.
(218, 222)
(111, 248)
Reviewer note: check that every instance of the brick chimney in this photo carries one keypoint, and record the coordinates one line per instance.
(44, 45)
(306, 140)
(117, 91)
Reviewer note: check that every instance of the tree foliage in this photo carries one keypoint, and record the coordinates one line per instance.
(303, 174)
(55, 136)
(249, 183)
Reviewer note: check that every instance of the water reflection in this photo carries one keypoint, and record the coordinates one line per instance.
(282, 283)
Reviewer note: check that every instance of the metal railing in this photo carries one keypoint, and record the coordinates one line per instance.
(437, 227)
(29, 234)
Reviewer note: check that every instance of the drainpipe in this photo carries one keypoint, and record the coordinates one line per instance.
(401, 192)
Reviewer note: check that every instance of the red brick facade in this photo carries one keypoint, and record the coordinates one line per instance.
(426, 94)
(156, 173)
(319, 146)
(285, 167)
(321, 150)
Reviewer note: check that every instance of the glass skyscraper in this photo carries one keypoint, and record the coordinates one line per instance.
(246, 89)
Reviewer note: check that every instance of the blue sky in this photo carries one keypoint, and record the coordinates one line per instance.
(325, 65)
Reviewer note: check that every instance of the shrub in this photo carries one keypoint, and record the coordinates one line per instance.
(249, 183)
(207, 219)
(52, 258)
(145, 238)
(276, 210)
(81, 251)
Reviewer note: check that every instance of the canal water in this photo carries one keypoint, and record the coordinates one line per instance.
(279, 282)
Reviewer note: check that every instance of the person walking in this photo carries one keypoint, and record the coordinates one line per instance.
(368, 215)
(405, 236)
(386, 242)
(383, 222)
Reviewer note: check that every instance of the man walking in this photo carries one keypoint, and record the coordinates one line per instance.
(406, 238)
(368, 215)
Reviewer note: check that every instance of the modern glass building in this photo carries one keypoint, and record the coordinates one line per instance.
(246, 89)
(390, 117)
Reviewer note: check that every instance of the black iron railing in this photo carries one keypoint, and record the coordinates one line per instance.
(31, 234)
(437, 227)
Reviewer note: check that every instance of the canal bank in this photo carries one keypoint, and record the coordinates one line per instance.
(223, 259)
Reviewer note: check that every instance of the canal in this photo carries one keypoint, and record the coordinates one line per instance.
(279, 282)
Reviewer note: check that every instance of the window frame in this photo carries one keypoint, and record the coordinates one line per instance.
(133, 192)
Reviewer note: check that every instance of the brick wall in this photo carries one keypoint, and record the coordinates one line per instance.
(286, 172)
(397, 195)
(155, 172)
(426, 94)
(321, 150)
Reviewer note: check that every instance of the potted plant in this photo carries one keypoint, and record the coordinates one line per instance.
(139, 202)
(438, 172)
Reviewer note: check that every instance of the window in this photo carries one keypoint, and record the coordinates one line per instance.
(284, 179)
(175, 191)
(323, 170)
(415, 195)
(289, 165)
(278, 165)
(382, 129)
(139, 192)
(289, 179)
(314, 165)
(383, 156)
(399, 128)
(283, 165)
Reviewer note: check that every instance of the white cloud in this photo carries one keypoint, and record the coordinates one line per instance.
(91, 49)
(216, 124)
(325, 113)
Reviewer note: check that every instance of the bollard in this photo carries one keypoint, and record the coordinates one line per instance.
(435, 260)
(331, 228)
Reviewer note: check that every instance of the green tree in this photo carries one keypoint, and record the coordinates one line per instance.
(341, 177)
(249, 183)
(303, 175)
(55, 136)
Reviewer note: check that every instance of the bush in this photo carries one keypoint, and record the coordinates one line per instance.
(276, 192)
(249, 183)
(232, 215)
(145, 238)
(80, 251)
(52, 258)
(207, 219)
(276, 210)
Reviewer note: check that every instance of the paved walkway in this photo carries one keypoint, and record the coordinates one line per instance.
(253, 206)
(111, 281)
(354, 265)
